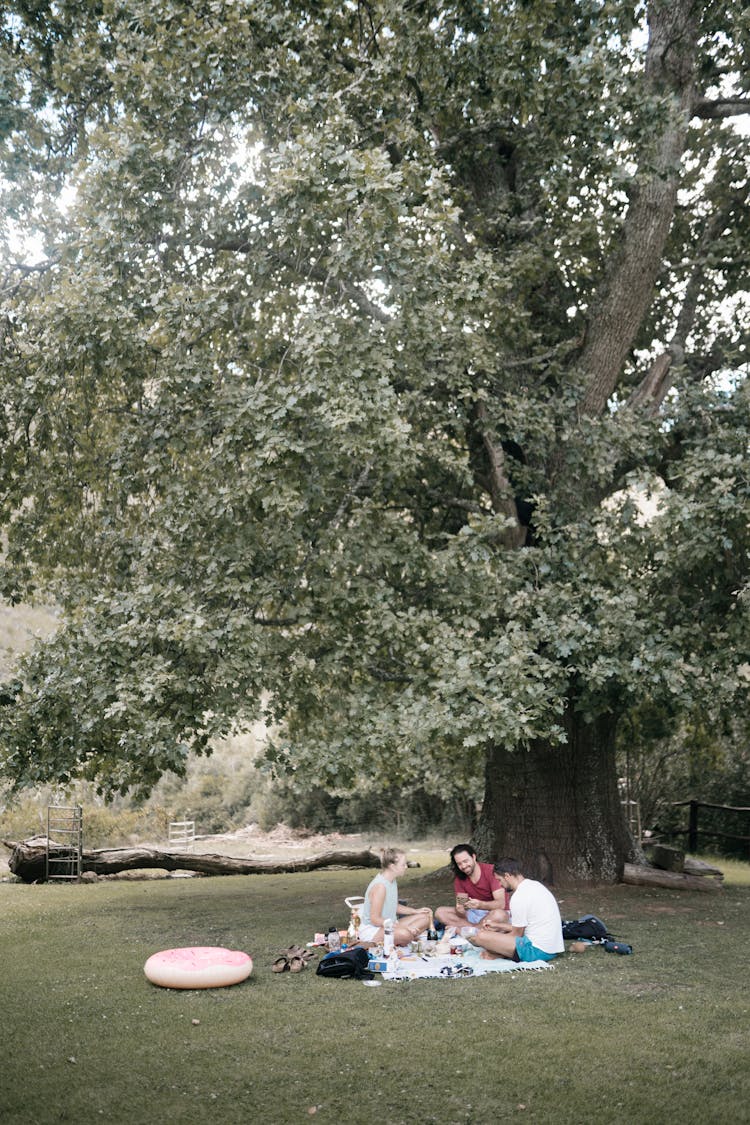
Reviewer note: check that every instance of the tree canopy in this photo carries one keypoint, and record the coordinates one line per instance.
(383, 371)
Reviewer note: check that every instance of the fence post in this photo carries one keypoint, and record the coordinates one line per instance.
(693, 827)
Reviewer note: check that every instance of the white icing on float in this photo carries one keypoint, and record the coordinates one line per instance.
(198, 966)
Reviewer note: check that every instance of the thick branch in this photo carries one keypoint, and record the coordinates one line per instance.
(652, 390)
(501, 491)
(653, 387)
(711, 108)
(628, 287)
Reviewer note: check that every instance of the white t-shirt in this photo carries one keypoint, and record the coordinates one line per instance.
(535, 909)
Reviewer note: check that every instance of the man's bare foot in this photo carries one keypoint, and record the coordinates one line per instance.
(485, 955)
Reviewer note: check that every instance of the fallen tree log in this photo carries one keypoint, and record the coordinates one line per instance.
(694, 866)
(665, 857)
(28, 861)
(639, 875)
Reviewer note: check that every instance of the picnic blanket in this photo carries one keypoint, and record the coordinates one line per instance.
(415, 967)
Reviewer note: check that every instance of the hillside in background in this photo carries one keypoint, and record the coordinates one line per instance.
(20, 625)
(216, 791)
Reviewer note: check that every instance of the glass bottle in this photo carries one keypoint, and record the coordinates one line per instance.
(352, 934)
(388, 942)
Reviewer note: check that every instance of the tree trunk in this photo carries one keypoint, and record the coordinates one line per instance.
(557, 809)
(28, 861)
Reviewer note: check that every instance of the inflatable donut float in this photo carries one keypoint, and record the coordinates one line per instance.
(198, 966)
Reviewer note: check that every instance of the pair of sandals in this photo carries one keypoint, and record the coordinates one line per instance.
(292, 960)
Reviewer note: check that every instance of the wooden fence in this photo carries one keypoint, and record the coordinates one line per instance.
(693, 831)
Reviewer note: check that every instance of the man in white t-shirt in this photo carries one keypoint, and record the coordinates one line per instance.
(534, 932)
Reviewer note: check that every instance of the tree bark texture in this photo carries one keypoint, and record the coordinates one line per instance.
(557, 809)
(28, 861)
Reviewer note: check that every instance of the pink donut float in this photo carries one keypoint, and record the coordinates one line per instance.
(198, 966)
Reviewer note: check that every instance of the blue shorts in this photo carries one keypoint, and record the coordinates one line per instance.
(525, 951)
(474, 917)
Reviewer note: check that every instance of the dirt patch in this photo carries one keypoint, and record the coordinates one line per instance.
(669, 910)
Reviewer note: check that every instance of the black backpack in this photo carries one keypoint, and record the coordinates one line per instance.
(343, 963)
(587, 928)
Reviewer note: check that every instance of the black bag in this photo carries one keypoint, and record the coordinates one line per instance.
(343, 963)
(587, 928)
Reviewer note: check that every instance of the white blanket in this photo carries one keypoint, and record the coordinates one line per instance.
(418, 968)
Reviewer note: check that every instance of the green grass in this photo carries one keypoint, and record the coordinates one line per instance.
(735, 873)
(658, 1037)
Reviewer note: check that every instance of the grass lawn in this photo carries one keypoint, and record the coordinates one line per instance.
(661, 1036)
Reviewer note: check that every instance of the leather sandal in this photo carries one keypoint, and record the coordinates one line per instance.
(284, 959)
(298, 961)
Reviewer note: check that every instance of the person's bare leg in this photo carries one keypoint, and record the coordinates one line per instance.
(409, 926)
(495, 944)
(496, 919)
(449, 917)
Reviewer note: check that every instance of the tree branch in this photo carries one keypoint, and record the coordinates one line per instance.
(23, 270)
(345, 287)
(455, 502)
(652, 390)
(276, 622)
(653, 387)
(619, 308)
(712, 108)
(501, 491)
(314, 272)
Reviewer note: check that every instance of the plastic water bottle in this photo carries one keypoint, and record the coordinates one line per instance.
(334, 939)
(388, 942)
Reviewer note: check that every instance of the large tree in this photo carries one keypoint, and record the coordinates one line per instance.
(385, 371)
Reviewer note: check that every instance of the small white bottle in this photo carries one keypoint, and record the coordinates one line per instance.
(334, 939)
(388, 942)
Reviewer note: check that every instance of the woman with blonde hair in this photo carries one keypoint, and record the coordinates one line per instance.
(381, 902)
